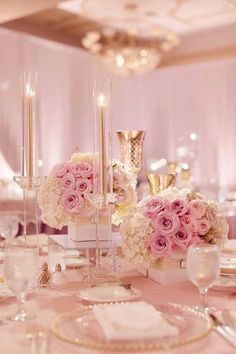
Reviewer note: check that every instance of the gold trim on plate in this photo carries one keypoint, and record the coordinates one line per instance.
(134, 346)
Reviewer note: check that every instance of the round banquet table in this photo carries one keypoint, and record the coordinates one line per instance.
(48, 303)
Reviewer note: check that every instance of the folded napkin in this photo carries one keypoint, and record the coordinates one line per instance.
(132, 321)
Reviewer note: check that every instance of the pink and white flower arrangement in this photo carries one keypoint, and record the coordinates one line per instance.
(124, 188)
(65, 196)
(170, 222)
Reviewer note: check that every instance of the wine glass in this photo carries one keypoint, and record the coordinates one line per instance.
(20, 272)
(9, 225)
(203, 268)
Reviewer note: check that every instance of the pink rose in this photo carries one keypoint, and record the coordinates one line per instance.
(203, 226)
(189, 222)
(72, 201)
(68, 181)
(83, 185)
(153, 206)
(159, 245)
(178, 206)
(182, 238)
(197, 208)
(61, 169)
(167, 223)
(82, 169)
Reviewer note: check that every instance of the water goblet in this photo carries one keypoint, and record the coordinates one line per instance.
(20, 272)
(203, 268)
(9, 225)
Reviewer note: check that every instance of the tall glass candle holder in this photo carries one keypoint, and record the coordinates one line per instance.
(103, 176)
(30, 136)
(102, 140)
(29, 181)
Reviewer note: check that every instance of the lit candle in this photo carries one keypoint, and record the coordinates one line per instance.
(102, 145)
(29, 105)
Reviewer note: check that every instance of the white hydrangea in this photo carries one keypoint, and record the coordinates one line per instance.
(173, 192)
(82, 157)
(135, 231)
(50, 203)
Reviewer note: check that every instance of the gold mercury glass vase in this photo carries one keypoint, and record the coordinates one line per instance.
(131, 148)
(159, 182)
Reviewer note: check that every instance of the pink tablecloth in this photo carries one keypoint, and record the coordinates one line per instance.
(48, 303)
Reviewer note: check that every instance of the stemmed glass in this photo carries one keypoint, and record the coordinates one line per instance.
(9, 225)
(203, 268)
(20, 272)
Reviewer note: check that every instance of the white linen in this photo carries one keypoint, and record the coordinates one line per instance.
(131, 321)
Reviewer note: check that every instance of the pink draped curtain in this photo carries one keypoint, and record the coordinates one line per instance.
(169, 103)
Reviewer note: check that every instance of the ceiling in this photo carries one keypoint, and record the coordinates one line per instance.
(13, 9)
(180, 16)
(207, 28)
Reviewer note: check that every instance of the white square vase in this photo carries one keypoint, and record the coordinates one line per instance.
(166, 272)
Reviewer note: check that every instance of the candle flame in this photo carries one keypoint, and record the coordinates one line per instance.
(29, 91)
(102, 100)
(185, 166)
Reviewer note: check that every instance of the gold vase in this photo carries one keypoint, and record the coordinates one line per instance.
(172, 167)
(159, 182)
(185, 175)
(131, 148)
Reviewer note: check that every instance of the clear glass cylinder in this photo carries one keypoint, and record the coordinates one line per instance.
(30, 126)
(103, 181)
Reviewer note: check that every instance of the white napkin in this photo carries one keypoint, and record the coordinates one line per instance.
(137, 320)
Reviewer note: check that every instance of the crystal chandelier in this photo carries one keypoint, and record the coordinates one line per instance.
(125, 53)
(131, 60)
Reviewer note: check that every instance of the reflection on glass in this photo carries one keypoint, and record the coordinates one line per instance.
(9, 225)
(203, 267)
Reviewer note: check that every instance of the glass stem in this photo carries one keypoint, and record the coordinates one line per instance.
(25, 216)
(203, 297)
(21, 306)
(36, 220)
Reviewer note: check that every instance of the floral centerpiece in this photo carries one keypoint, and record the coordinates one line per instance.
(165, 224)
(124, 188)
(65, 196)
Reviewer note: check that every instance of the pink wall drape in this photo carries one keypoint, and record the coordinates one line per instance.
(169, 103)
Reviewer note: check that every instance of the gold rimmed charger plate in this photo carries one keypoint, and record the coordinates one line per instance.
(228, 264)
(80, 327)
(227, 271)
(225, 283)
